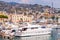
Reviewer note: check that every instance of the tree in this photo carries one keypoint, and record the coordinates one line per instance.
(53, 17)
(57, 19)
(59, 11)
(3, 16)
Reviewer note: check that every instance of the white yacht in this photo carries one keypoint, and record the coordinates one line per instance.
(32, 30)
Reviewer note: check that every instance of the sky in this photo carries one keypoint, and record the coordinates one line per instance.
(56, 3)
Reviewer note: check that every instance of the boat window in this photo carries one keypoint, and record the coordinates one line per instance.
(34, 28)
(24, 29)
(13, 30)
(43, 27)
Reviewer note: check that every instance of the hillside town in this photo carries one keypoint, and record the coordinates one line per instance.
(27, 19)
(30, 16)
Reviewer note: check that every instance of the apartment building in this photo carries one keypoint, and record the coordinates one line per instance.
(20, 18)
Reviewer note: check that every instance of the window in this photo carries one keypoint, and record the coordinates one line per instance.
(43, 27)
(24, 29)
(34, 28)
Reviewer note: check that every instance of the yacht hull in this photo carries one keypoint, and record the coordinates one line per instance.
(33, 32)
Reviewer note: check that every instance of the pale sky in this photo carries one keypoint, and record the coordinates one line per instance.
(56, 3)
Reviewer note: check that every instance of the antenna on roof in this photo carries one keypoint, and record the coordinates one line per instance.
(52, 4)
(15, 12)
(52, 7)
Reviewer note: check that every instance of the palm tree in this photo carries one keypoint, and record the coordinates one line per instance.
(2, 17)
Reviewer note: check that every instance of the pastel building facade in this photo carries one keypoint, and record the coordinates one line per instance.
(5, 14)
(20, 18)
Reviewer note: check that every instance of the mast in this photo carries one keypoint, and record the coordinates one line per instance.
(15, 13)
(53, 11)
(52, 7)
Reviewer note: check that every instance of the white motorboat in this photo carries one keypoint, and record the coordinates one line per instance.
(32, 30)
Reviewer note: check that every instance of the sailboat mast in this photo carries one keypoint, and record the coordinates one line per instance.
(52, 7)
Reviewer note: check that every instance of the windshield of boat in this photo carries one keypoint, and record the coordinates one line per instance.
(24, 29)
